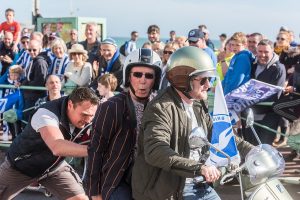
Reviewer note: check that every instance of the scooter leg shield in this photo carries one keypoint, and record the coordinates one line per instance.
(271, 190)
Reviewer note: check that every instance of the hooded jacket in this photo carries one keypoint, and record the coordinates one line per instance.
(36, 76)
(239, 71)
(273, 73)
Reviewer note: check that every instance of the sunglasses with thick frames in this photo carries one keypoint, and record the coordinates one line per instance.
(29, 50)
(76, 54)
(140, 75)
(203, 80)
(280, 38)
(168, 52)
(192, 42)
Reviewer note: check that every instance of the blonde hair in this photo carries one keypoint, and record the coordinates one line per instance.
(58, 42)
(172, 45)
(287, 33)
(109, 80)
(239, 37)
(16, 69)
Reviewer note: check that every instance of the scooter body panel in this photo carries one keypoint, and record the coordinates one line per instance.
(270, 190)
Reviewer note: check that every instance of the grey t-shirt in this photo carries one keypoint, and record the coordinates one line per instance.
(44, 117)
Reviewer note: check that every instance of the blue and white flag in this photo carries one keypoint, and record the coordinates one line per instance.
(248, 94)
(222, 133)
(14, 100)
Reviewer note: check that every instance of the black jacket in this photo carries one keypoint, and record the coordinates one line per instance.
(28, 153)
(36, 76)
(112, 145)
(117, 70)
(3, 52)
(93, 52)
(292, 60)
(274, 73)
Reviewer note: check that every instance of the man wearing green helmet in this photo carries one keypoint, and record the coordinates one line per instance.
(164, 159)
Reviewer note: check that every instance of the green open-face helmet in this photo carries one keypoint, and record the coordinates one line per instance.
(185, 63)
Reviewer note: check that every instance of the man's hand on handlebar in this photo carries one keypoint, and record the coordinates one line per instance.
(211, 173)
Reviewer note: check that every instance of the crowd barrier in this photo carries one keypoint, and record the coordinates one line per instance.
(210, 102)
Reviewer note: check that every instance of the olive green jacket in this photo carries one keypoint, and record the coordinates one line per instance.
(162, 161)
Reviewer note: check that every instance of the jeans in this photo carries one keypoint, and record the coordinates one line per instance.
(200, 191)
(122, 192)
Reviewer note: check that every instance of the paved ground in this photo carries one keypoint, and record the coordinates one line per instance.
(227, 192)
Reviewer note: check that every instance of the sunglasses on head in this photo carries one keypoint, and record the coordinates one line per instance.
(168, 52)
(279, 38)
(140, 75)
(203, 80)
(30, 50)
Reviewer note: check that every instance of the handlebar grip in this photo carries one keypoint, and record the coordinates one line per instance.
(227, 178)
(199, 179)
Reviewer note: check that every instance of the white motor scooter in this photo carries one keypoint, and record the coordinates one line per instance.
(264, 165)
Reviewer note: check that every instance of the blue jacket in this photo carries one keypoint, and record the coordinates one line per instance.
(239, 71)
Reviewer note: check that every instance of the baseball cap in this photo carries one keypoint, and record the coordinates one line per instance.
(195, 34)
(25, 35)
(109, 41)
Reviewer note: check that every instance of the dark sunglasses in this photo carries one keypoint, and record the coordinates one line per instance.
(279, 38)
(76, 54)
(192, 42)
(23, 42)
(30, 50)
(140, 75)
(203, 80)
(168, 52)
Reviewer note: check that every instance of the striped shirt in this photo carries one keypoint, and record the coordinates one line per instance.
(111, 149)
(24, 59)
(59, 65)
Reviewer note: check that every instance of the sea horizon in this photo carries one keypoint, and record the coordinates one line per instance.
(121, 40)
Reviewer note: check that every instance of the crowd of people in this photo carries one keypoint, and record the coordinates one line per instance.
(137, 106)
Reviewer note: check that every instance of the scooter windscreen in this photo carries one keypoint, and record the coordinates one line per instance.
(264, 162)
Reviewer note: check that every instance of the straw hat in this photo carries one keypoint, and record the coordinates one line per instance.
(78, 48)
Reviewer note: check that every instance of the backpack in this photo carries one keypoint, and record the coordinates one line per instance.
(123, 48)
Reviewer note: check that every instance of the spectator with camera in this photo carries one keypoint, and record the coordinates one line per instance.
(7, 54)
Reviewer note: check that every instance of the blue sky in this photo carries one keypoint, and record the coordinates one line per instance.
(123, 16)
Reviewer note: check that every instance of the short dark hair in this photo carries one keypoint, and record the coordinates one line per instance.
(153, 28)
(201, 26)
(9, 10)
(266, 42)
(133, 32)
(81, 94)
(259, 35)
